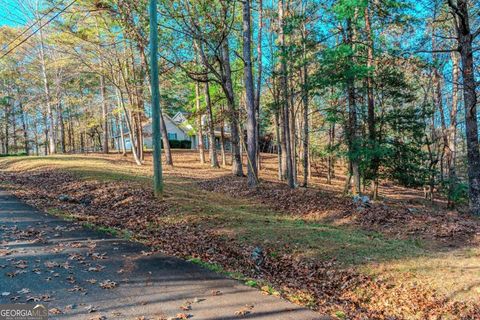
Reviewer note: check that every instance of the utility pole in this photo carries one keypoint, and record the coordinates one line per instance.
(156, 111)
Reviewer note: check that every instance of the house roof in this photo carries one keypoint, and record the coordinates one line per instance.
(148, 125)
(181, 122)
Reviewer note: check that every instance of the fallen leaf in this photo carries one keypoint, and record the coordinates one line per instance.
(90, 308)
(55, 311)
(108, 284)
(24, 291)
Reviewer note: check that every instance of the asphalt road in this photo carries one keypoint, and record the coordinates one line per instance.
(84, 274)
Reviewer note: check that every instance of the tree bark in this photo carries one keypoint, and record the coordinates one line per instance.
(279, 146)
(166, 143)
(103, 95)
(259, 78)
(465, 39)
(35, 136)
(305, 100)
(7, 126)
(120, 123)
(287, 152)
(237, 168)
(47, 135)
(352, 121)
(51, 124)
(452, 131)
(222, 144)
(372, 136)
(212, 148)
(201, 150)
(330, 159)
(24, 129)
(130, 129)
(61, 124)
(252, 169)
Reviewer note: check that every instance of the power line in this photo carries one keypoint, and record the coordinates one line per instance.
(13, 10)
(31, 26)
(39, 28)
(10, 19)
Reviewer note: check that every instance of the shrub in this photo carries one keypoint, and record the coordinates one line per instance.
(179, 144)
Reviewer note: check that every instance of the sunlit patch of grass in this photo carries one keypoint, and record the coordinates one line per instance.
(207, 265)
(251, 283)
(302, 298)
(347, 245)
(114, 232)
(218, 269)
(270, 290)
(454, 273)
(340, 314)
(61, 214)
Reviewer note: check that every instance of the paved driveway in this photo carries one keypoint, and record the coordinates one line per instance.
(83, 274)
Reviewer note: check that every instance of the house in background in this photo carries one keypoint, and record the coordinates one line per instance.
(178, 129)
(227, 135)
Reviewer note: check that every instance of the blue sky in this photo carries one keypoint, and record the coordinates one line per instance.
(14, 12)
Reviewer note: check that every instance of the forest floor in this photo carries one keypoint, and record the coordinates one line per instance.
(398, 258)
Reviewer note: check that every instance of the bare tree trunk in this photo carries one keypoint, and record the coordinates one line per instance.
(24, 129)
(348, 180)
(211, 128)
(305, 99)
(51, 123)
(35, 136)
(252, 141)
(465, 39)
(330, 159)
(47, 135)
(61, 124)
(82, 142)
(71, 137)
(293, 130)
(166, 143)
(259, 78)
(7, 126)
(104, 113)
(284, 97)
(113, 126)
(279, 146)
(137, 103)
(452, 132)
(120, 123)
(13, 120)
(201, 149)
(130, 129)
(237, 168)
(445, 135)
(222, 144)
(372, 136)
(352, 121)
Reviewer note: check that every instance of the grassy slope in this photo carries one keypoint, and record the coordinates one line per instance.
(455, 273)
